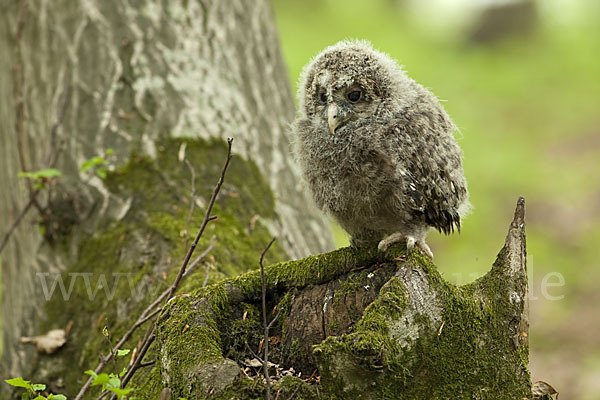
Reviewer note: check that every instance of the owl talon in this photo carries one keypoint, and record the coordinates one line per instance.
(425, 248)
(397, 237)
(389, 240)
(410, 243)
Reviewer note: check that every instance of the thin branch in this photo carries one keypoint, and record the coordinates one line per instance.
(274, 319)
(104, 360)
(294, 392)
(207, 218)
(102, 395)
(138, 361)
(51, 157)
(182, 272)
(207, 275)
(17, 220)
(147, 364)
(265, 323)
(211, 246)
(113, 351)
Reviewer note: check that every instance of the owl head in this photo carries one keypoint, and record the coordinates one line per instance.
(350, 81)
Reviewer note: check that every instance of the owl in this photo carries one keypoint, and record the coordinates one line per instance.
(377, 149)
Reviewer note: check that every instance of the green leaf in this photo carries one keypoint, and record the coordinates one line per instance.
(108, 152)
(57, 397)
(113, 382)
(19, 382)
(90, 373)
(105, 331)
(101, 379)
(91, 163)
(39, 397)
(121, 353)
(39, 387)
(119, 391)
(43, 173)
(122, 372)
(101, 172)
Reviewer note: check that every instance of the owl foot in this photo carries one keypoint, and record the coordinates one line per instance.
(398, 237)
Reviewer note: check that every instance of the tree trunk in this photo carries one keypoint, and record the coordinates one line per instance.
(154, 81)
(362, 326)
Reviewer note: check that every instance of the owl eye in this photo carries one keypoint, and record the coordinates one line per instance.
(354, 96)
(323, 97)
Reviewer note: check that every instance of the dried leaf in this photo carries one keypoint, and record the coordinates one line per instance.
(541, 388)
(99, 320)
(441, 327)
(255, 363)
(69, 327)
(245, 315)
(48, 343)
(253, 221)
(185, 328)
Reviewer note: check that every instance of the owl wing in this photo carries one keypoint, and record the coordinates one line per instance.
(432, 184)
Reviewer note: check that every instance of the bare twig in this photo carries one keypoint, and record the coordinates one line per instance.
(138, 361)
(211, 246)
(147, 364)
(104, 360)
(207, 219)
(294, 392)
(168, 294)
(17, 220)
(274, 319)
(112, 350)
(265, 323)
(102, 395)
(207, 275)
(51, 157)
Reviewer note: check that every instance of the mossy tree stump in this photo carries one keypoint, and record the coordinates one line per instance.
(375, 327)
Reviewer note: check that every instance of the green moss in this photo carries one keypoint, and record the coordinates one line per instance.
(379, 358)
(291, 387)
(150, 241)
(444, 361)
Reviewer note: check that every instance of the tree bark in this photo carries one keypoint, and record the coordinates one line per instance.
(128, 75)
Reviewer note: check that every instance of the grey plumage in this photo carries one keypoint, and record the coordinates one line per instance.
(377, 149)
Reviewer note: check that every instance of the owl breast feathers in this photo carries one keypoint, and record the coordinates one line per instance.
(377, 149)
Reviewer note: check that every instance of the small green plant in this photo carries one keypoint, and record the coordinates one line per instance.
(40, 178)
(33, 389)
(110, 382)
(98, 163)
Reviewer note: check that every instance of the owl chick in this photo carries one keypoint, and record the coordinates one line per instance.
(377, 149)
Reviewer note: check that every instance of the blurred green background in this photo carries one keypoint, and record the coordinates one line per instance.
(522, 83)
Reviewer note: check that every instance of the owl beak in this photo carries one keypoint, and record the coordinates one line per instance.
(333, 118)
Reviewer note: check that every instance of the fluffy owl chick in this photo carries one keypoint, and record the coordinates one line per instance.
(377, 149)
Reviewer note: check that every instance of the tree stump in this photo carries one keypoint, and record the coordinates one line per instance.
(371, 326)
